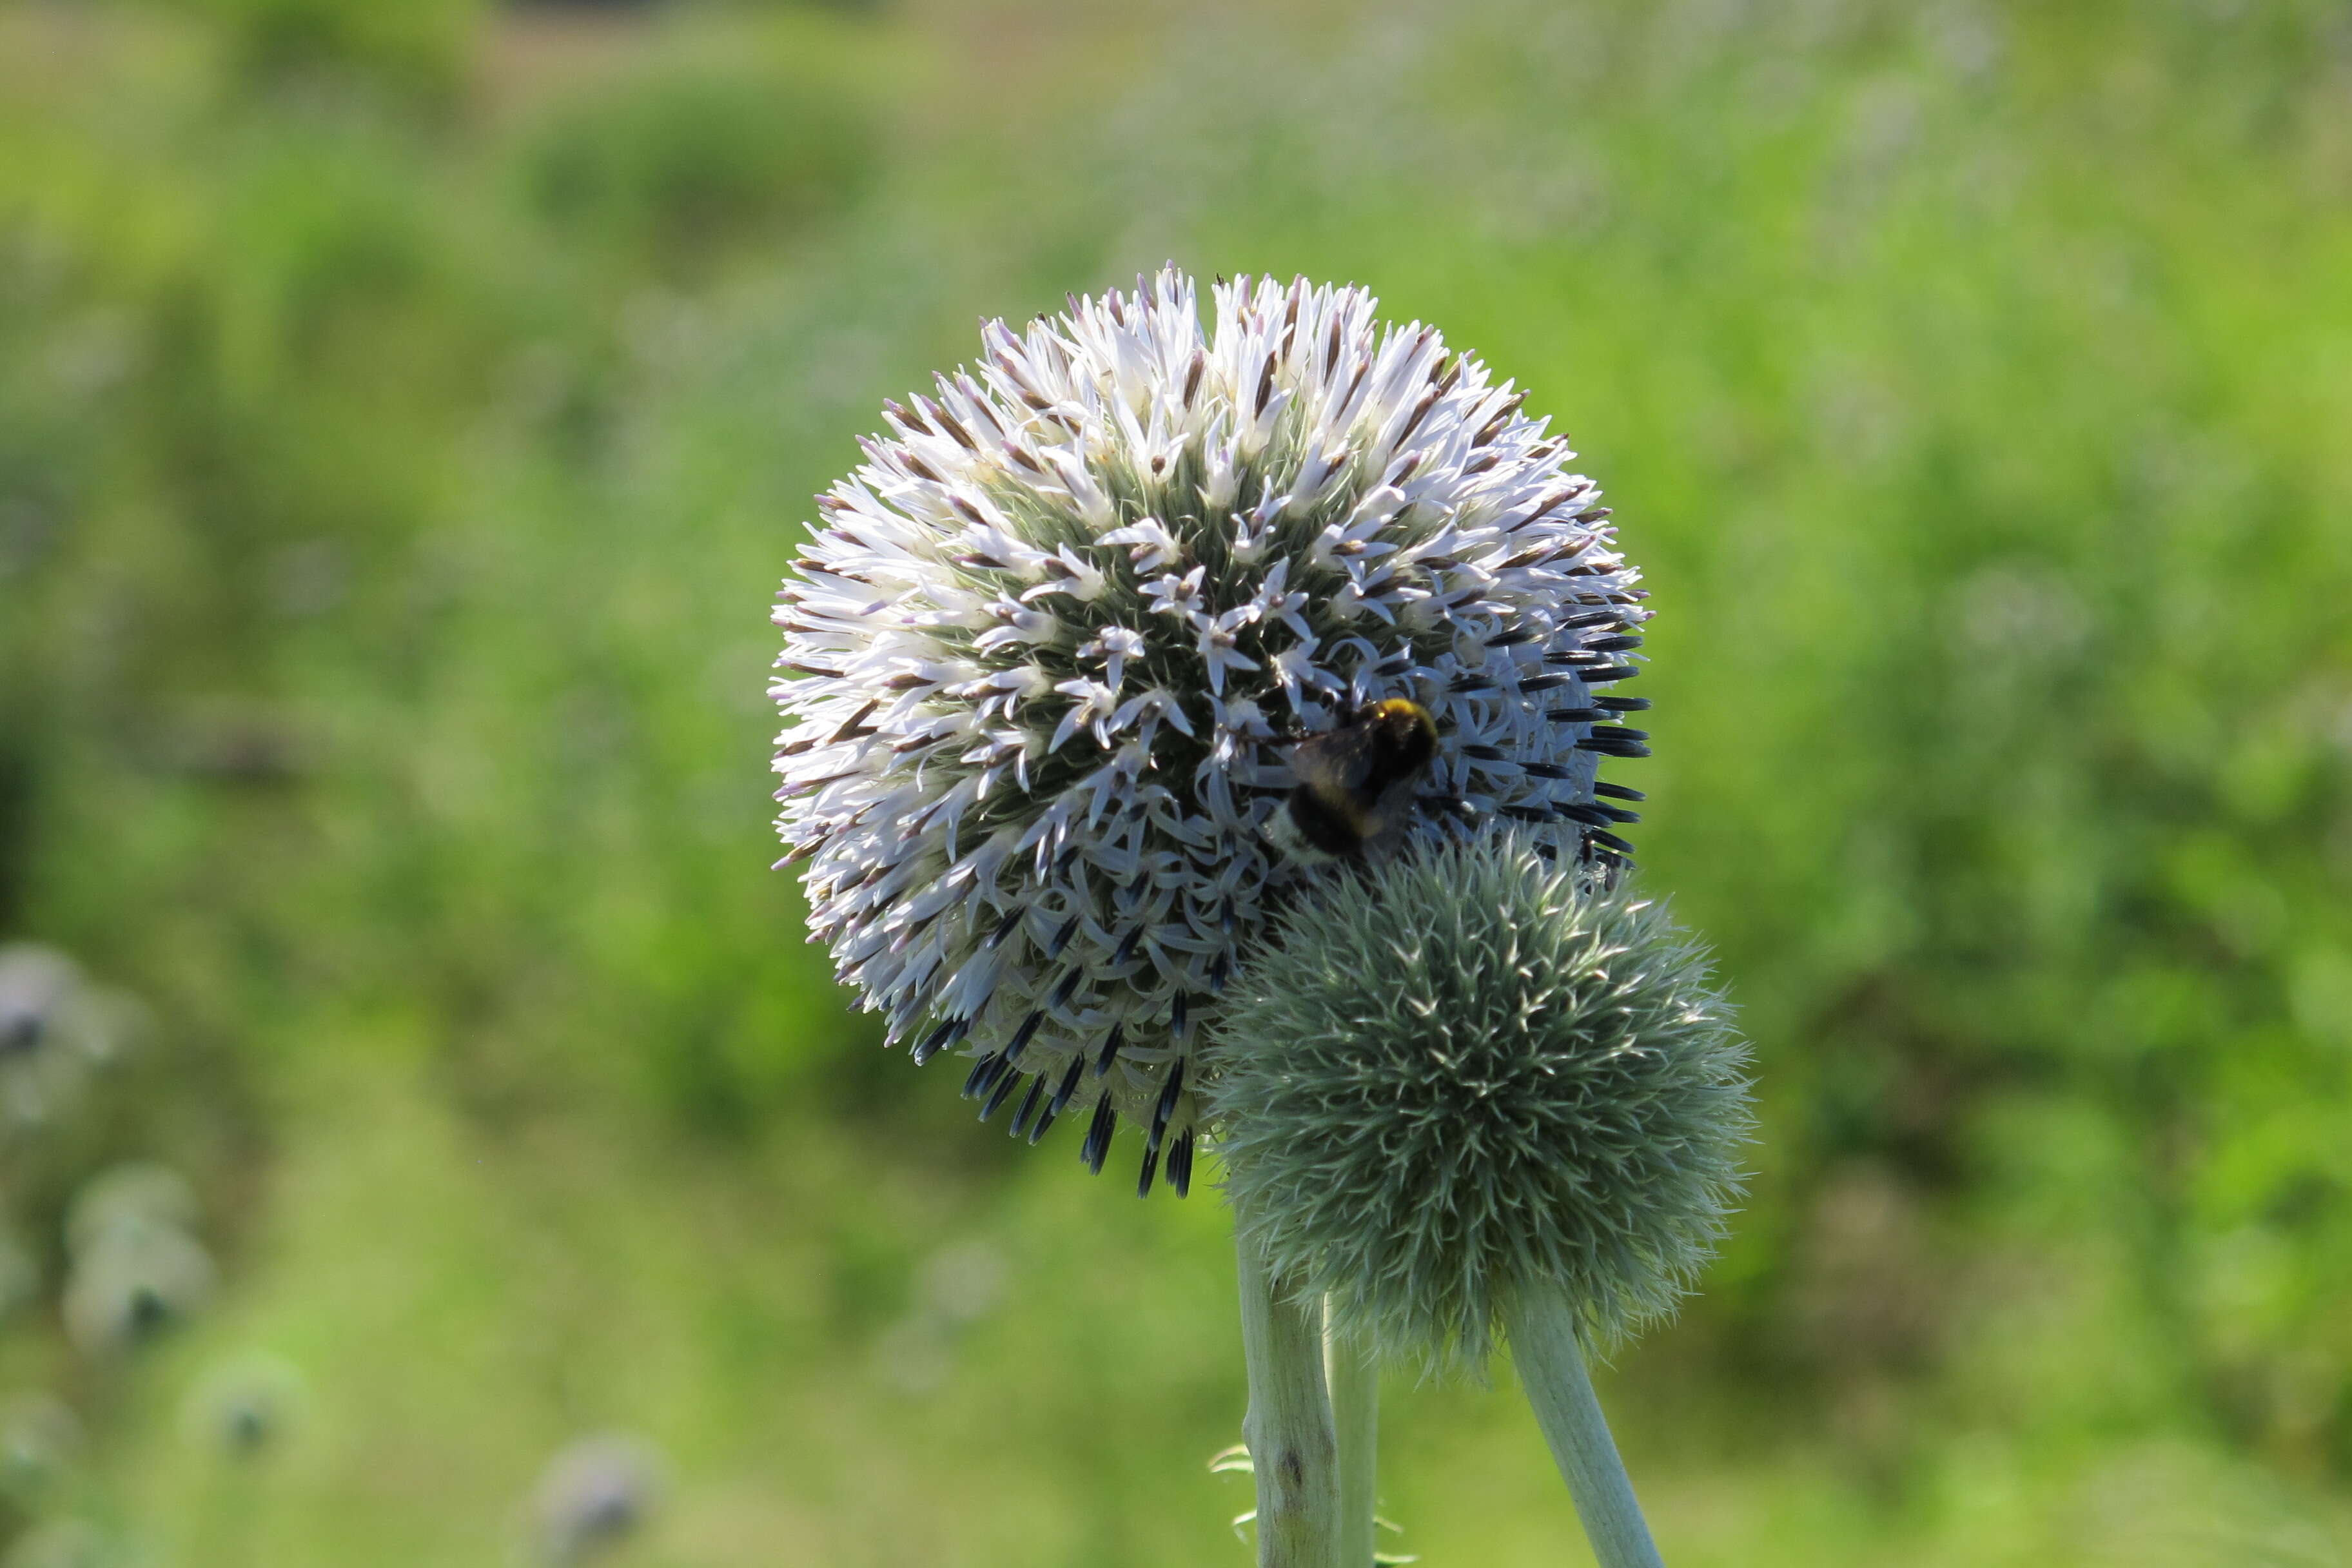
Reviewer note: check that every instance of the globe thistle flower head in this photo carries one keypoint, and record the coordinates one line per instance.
(134, 1196)
(54, 1030)
(135, 1268)
(594, 1493)
(244, 1407)
(1053, 645)
(1470, 1070)
(41, 1443)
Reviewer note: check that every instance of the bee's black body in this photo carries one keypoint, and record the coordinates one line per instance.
(1356, 783)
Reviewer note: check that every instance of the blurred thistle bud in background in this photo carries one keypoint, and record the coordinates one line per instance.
(135, 1267)
(41, 1445)
(1472, 1073)
(54, 1028)
(1059, 642)
(245, 1406)
(957, 1287)
(595, 1494)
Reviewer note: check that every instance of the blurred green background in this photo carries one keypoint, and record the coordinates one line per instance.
(406, 412)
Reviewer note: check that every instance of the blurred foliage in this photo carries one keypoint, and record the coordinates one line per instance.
(406, 411)
(678, 170)
(416, 49)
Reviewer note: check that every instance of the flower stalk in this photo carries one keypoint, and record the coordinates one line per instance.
(1354, 1376)
(1540, 1325)
(1288, 1428)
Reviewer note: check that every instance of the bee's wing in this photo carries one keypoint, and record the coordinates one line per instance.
(1340, 759)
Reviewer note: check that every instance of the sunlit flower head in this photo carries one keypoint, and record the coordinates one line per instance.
(1051, 650)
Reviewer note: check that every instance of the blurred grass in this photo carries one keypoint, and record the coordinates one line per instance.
(401, 427)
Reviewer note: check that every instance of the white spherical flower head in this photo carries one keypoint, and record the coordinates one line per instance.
(1057, 644)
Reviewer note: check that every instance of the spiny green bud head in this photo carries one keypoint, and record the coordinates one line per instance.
(1465, 1072)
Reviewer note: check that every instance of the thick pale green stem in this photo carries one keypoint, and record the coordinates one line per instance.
(1288, 1428)
(1355, 1379)
(1542, 1327)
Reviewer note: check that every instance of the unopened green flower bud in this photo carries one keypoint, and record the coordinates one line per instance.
(1469, 1072)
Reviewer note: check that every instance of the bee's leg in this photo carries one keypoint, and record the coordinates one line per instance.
(1452, 805)
(1609, 867)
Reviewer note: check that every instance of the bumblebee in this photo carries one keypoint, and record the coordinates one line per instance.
(1355, 782)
